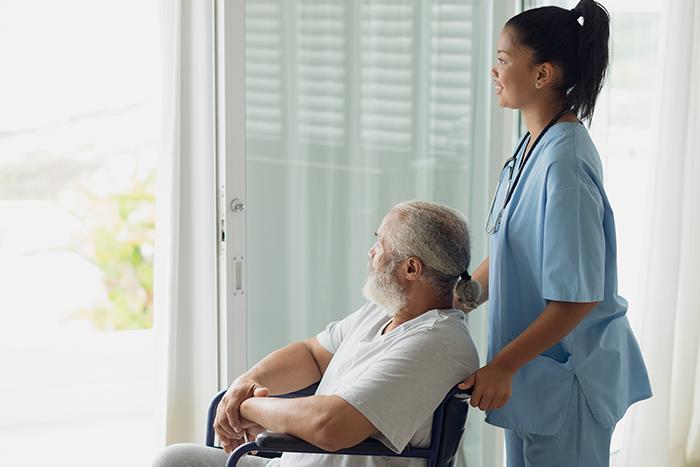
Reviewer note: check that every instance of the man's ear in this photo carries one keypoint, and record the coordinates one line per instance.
(414, 268)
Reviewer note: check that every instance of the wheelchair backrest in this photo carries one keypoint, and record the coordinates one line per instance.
(448, 427)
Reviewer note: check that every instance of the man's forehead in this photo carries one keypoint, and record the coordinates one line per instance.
(390, 217)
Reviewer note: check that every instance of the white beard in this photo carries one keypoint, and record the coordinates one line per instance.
(381, 287)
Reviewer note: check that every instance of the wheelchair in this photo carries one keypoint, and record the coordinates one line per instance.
(448, 424)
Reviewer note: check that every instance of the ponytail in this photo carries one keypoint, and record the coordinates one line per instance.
(555, 35)
(592, 57)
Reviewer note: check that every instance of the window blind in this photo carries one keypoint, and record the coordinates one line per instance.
(393, 42)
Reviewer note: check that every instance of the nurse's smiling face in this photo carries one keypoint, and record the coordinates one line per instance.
(514, 73)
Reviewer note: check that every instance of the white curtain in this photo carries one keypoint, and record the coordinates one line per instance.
(185, 255)
(665, 431)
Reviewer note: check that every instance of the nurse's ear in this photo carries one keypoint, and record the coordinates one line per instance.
(546, 75)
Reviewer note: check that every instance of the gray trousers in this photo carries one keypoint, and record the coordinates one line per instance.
(195, 455)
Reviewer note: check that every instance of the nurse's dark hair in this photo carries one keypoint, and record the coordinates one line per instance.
(555, 35)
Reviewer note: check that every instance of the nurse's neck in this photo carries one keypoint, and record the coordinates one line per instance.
(540, 112)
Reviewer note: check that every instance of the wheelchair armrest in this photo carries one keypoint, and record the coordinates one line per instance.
(307, 391)
(286, 443)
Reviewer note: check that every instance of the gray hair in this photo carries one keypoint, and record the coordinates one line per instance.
(439, 237)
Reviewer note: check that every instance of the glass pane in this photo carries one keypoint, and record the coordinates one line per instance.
(351, 107)
(79, 128)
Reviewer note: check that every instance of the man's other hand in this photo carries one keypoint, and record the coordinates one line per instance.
(251, 429)
(227, 423)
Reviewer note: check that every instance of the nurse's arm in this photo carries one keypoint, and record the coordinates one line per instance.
(481, 275)
(556, 321)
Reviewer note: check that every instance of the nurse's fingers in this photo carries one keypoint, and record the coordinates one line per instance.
(475, 399)
(498, 402)
(486, 402)
(467, 383)
(503, 400)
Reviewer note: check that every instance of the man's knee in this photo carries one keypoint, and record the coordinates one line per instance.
(179, 455)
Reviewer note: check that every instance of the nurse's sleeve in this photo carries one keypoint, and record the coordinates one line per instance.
(573, 263)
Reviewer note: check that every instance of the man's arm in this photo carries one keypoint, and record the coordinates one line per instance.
(392, 396)
(290, 368)
(328, 422)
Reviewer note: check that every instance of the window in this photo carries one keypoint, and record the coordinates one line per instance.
(79, 128)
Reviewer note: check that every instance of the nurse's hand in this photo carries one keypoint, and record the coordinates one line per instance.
(491, 385)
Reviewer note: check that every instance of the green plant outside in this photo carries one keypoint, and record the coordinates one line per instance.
(121, 245)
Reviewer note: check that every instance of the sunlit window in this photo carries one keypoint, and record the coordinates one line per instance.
(79, 128)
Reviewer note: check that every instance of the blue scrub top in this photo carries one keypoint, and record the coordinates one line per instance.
(556, 242)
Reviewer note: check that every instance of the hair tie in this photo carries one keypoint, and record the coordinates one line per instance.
(465, 276)
(575, 13)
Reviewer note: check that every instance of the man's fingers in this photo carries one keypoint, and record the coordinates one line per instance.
(221, 421)
(230, 445)
(225, 444)
(261, 391)
(233, 417)
(223, 426)
(223, 430)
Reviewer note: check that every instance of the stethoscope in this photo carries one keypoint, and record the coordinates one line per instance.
(492, 227)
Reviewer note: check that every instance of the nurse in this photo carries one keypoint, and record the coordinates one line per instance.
(563, 364)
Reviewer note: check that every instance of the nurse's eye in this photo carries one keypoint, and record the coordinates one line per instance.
(500, 60)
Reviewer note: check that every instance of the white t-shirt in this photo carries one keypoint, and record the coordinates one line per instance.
(396, 380)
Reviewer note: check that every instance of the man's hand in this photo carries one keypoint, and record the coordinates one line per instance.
(229, 445)
(227, 423)
(251, 430)
(492, 386)
(254, 430)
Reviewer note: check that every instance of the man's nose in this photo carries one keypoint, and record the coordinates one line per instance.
(371, 253)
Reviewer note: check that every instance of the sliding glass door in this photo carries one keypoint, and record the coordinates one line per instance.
(350, 107)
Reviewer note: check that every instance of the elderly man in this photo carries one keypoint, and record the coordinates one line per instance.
(383, 370)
